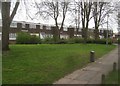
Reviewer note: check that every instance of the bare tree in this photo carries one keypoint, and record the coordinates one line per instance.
(54, 9)
(117, 13)
(64, 6)
(76, 10)
(97, 15)
(51, 9)
(6, 21)
(85, 15)
(82, 11)
(100, 12)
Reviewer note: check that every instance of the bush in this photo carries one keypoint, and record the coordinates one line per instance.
(103, 41)
(75, 40)
(62, 41)
(48, 40)
(110, 41)
(90, 41)
(100, 41)
(81, 40)
(26, 38)
(78, 40)
(35, 40)
(118, 40)
(70, 41)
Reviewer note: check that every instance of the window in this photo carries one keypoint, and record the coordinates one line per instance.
(12, 36)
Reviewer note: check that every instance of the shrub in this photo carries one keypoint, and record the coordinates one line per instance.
(118, 40)
(62, 41)
(81, 40)
(70, 41)
(90, 40)
(100, 41)
(78, 40)
(48, 40)
(103, 41)
(75, 40)
(110, 41)
(26, 38)
(22, 38)
(35, 40)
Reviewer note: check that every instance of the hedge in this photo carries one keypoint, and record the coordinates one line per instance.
(26, 38)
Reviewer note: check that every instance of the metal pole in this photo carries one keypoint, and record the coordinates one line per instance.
(114, 66)
(103, 79)
(107, 30)
(92, 56)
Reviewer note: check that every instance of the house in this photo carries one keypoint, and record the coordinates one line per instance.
(44, 30)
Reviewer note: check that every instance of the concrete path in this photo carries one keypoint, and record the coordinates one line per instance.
(91, 74)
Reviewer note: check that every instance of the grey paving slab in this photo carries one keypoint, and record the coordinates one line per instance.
(91, 74)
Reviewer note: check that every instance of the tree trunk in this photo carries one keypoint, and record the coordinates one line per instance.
(96, 33)
(85, 35)
(5, 25)
(56, 36)
(86, 29)
(61, 28)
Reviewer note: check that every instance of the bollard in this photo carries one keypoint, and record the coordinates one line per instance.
(92, 56)
(114, 66)
(103, 79)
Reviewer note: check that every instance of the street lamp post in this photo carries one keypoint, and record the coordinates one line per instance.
(107, 30)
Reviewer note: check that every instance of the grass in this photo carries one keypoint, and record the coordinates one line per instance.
(45, 63)
(112, 78)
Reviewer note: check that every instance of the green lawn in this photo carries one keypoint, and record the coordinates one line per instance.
(112, 78)
(45, 63)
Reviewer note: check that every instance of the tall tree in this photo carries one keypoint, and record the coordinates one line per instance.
(76, 11)
(6, 21)
(64, 7)
(101, 10)
(85, 15)
(54, 9)
(98, 12)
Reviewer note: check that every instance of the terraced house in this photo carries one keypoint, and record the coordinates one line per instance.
(43, 30)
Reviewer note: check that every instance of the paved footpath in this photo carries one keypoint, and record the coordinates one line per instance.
(91, 74)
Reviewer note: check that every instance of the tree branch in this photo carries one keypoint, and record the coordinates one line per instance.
(14, 11)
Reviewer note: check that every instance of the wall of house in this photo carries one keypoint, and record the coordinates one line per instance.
(44, 31)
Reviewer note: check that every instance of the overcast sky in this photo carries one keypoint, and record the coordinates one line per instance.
(22, 16)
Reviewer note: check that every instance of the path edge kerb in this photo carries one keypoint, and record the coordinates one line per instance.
(90, 63)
